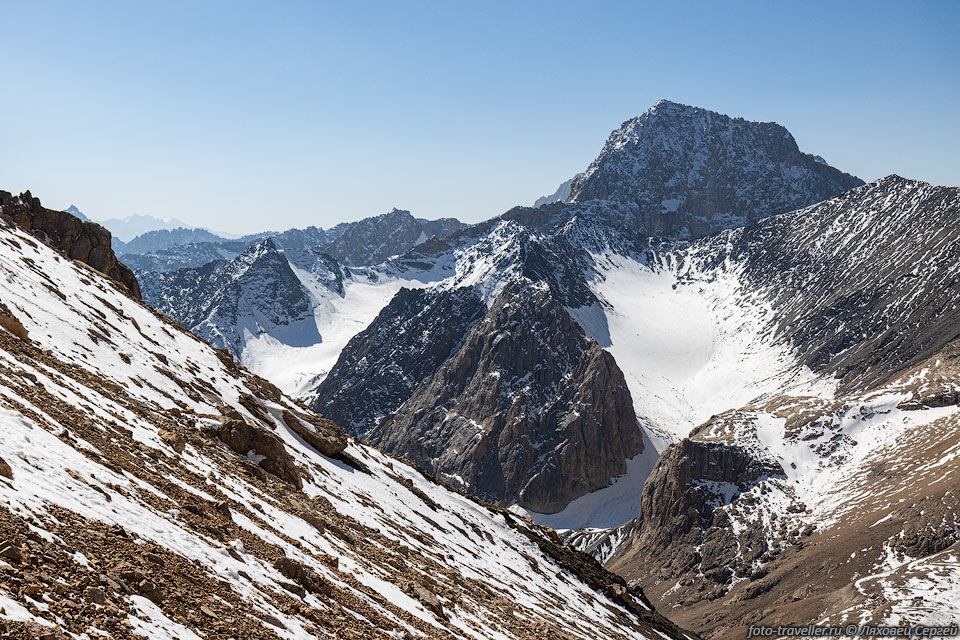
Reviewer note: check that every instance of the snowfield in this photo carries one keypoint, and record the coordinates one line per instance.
(690, 341)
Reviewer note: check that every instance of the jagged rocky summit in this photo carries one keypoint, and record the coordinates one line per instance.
(682, 170)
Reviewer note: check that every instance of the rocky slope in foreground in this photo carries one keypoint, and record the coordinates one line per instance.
(151, 488)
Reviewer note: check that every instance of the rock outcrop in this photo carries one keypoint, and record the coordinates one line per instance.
(86, 242)
(808, 508)
(263, 447)
(321, 434)
(11, 323)
(680, 524)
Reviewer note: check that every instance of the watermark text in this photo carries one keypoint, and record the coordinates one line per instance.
(853, 630)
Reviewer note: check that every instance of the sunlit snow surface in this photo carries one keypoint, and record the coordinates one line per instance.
(690, 344)
(336, 319)
(608, 507)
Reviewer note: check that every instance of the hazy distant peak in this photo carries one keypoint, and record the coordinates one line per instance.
(74, 211)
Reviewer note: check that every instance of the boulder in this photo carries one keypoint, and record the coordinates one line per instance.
(10, 322)
(176, 440)
(324, 436)
(303, 575)
(246, 439)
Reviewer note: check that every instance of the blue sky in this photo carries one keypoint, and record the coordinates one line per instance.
(244, 116)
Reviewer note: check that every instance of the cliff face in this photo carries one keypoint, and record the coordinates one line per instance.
(528, 409)
(681, 525)
(382, 365)
(85, 242)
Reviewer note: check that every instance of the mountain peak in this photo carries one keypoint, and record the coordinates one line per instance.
(681, 170)
(664, 104)
(74, 211)
(262, 253)
(896, 179)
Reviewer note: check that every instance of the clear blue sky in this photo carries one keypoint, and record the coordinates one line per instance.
(243, 116)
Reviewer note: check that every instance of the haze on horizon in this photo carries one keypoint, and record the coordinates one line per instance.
(242, 117)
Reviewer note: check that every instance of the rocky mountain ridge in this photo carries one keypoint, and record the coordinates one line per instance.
(161, 239)
(526, 410)
(366, 242)
(225, 302)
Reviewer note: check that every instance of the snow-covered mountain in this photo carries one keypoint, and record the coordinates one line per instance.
(827, 464)
(682, 170)
(150, 487)
(682, 352)
(226, 303)
(365, 242)
(723, 367)
(295, 326)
